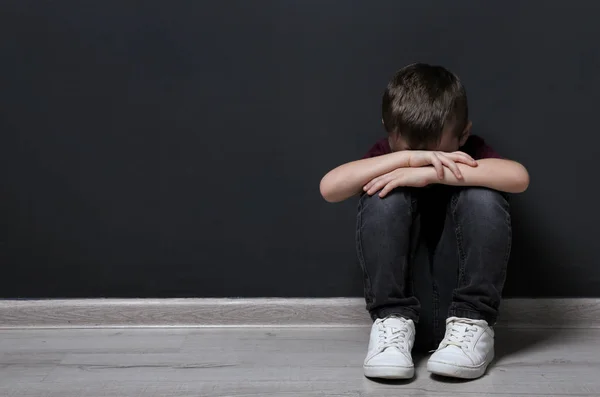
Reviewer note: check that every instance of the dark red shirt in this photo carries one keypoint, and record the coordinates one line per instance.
(474, 147)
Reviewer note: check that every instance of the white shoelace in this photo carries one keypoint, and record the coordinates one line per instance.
(392, 336)
(460, 333)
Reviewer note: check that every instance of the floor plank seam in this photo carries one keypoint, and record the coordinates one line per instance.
(263, 312)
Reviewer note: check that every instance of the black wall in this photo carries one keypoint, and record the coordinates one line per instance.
(174, 148)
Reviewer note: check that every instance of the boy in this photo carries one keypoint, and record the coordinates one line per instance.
(429, 161)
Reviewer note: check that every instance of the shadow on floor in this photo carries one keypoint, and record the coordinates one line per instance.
(510, 341)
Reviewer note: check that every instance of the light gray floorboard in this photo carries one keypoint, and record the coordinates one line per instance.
(275, 362)
(92, 340)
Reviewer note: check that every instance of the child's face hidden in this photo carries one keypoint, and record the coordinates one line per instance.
(449, 142)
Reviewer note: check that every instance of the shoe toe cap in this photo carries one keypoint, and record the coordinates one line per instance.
(389, 358)
(451, 355)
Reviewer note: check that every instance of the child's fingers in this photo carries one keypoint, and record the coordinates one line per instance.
(373, 188)
(463, 154)
(378, 186)
(378, 179)
(463, 158)
(452, 166)
(437, 164)
(368, 185)
(388, 188)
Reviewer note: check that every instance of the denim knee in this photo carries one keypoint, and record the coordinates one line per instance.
(482, 203)
(396, 203)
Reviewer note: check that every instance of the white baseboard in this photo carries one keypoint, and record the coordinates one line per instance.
(271, 312)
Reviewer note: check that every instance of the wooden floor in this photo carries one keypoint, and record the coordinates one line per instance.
(275, 362)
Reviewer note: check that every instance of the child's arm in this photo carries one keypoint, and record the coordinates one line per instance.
(348, 179)
(498, 174)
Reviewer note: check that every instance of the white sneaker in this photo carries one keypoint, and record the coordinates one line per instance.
(390, 345)
(466, 351)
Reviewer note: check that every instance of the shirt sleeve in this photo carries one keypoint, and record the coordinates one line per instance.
(379, 149)
(478, 149)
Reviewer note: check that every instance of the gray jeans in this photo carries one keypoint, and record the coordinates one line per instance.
(435, 252)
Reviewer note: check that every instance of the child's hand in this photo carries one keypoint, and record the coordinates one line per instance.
(413, 177)
(439, 160)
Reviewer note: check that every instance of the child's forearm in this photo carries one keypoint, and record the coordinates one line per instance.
(498, 174)
(348, 179)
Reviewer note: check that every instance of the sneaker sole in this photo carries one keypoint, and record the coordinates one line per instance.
(389, 372)
(456, 371)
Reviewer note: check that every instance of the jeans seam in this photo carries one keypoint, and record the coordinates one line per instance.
(508, 247)
(459, 240)
(436, 307)
(367, 290)
(410, 257)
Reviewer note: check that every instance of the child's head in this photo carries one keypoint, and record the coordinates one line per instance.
(424, 107)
